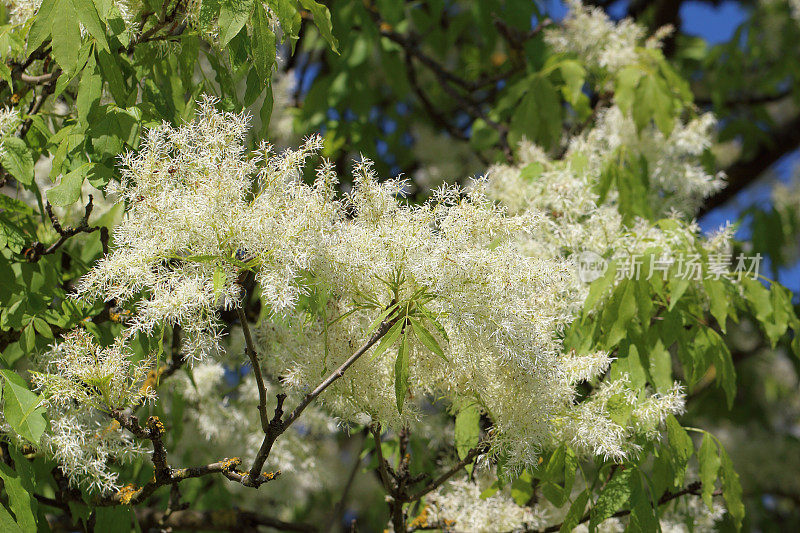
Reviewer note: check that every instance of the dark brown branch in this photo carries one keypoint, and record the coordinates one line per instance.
(277, 426)
(132, 495)
(338, 509)
(383, 465)
(436, 483)
(36, 250)
(42, 78)
(784, 139)
(163, 474)
(253, 355)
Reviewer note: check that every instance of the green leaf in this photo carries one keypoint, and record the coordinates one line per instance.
(42, 25)
(719, 301)
(7, 522)
(42, 327)
(614, 495)
(401, 374)
(723, 362)
(710, 462)
(653, 102)
(88, 16)
(468, 428)
(538, 116)
(113, 519)
(219, 281)
(599, 286)
(112, 74)
(427, 338)
(660, 367)
(731, 488)
(522, 489)
(575, 513)
(682, 448)
(627, 81)
(233, 15)
(643, 514)
(322, 19)
(388, 339)
(90, 90)
(5, 73)
(677, 286)
(69, 190)
(22, 408)
(17, 159)
(264, 44)
(619, 312)
(66, 35)
(21, 502)
(759, 299)
(574, 75)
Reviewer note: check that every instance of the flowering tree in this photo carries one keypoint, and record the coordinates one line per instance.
(204, 291)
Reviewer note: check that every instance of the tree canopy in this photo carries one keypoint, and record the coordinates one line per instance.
(367, 265)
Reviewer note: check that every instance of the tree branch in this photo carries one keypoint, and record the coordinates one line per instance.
(784, 139)
(277, 426)
(253, 355)
(36, 250)
(436, 483)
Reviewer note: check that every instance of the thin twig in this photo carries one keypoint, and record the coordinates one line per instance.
(383, 466)
(253, 355)
(436, 483)
(338, 510)
(36, 250)
(277, 425)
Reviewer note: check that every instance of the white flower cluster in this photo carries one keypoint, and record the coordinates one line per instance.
(795, 6)
(19, 11)
(79, 382)
(566, 190)
(9, 120)
(200, 209)
(598, 41)
(458, 506)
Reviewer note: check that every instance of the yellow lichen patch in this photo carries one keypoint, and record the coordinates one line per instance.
(155, 423)
(127, 493)
(269, 476)
(119, 316)
(231, 464)
(421, 521)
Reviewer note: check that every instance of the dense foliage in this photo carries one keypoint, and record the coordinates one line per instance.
(240, 246)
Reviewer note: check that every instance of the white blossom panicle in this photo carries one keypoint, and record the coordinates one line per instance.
(20, 11)
(80, 382)
(202, 213)
(78, 371)
(9, 120)
(597, 40)
(458, 506)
